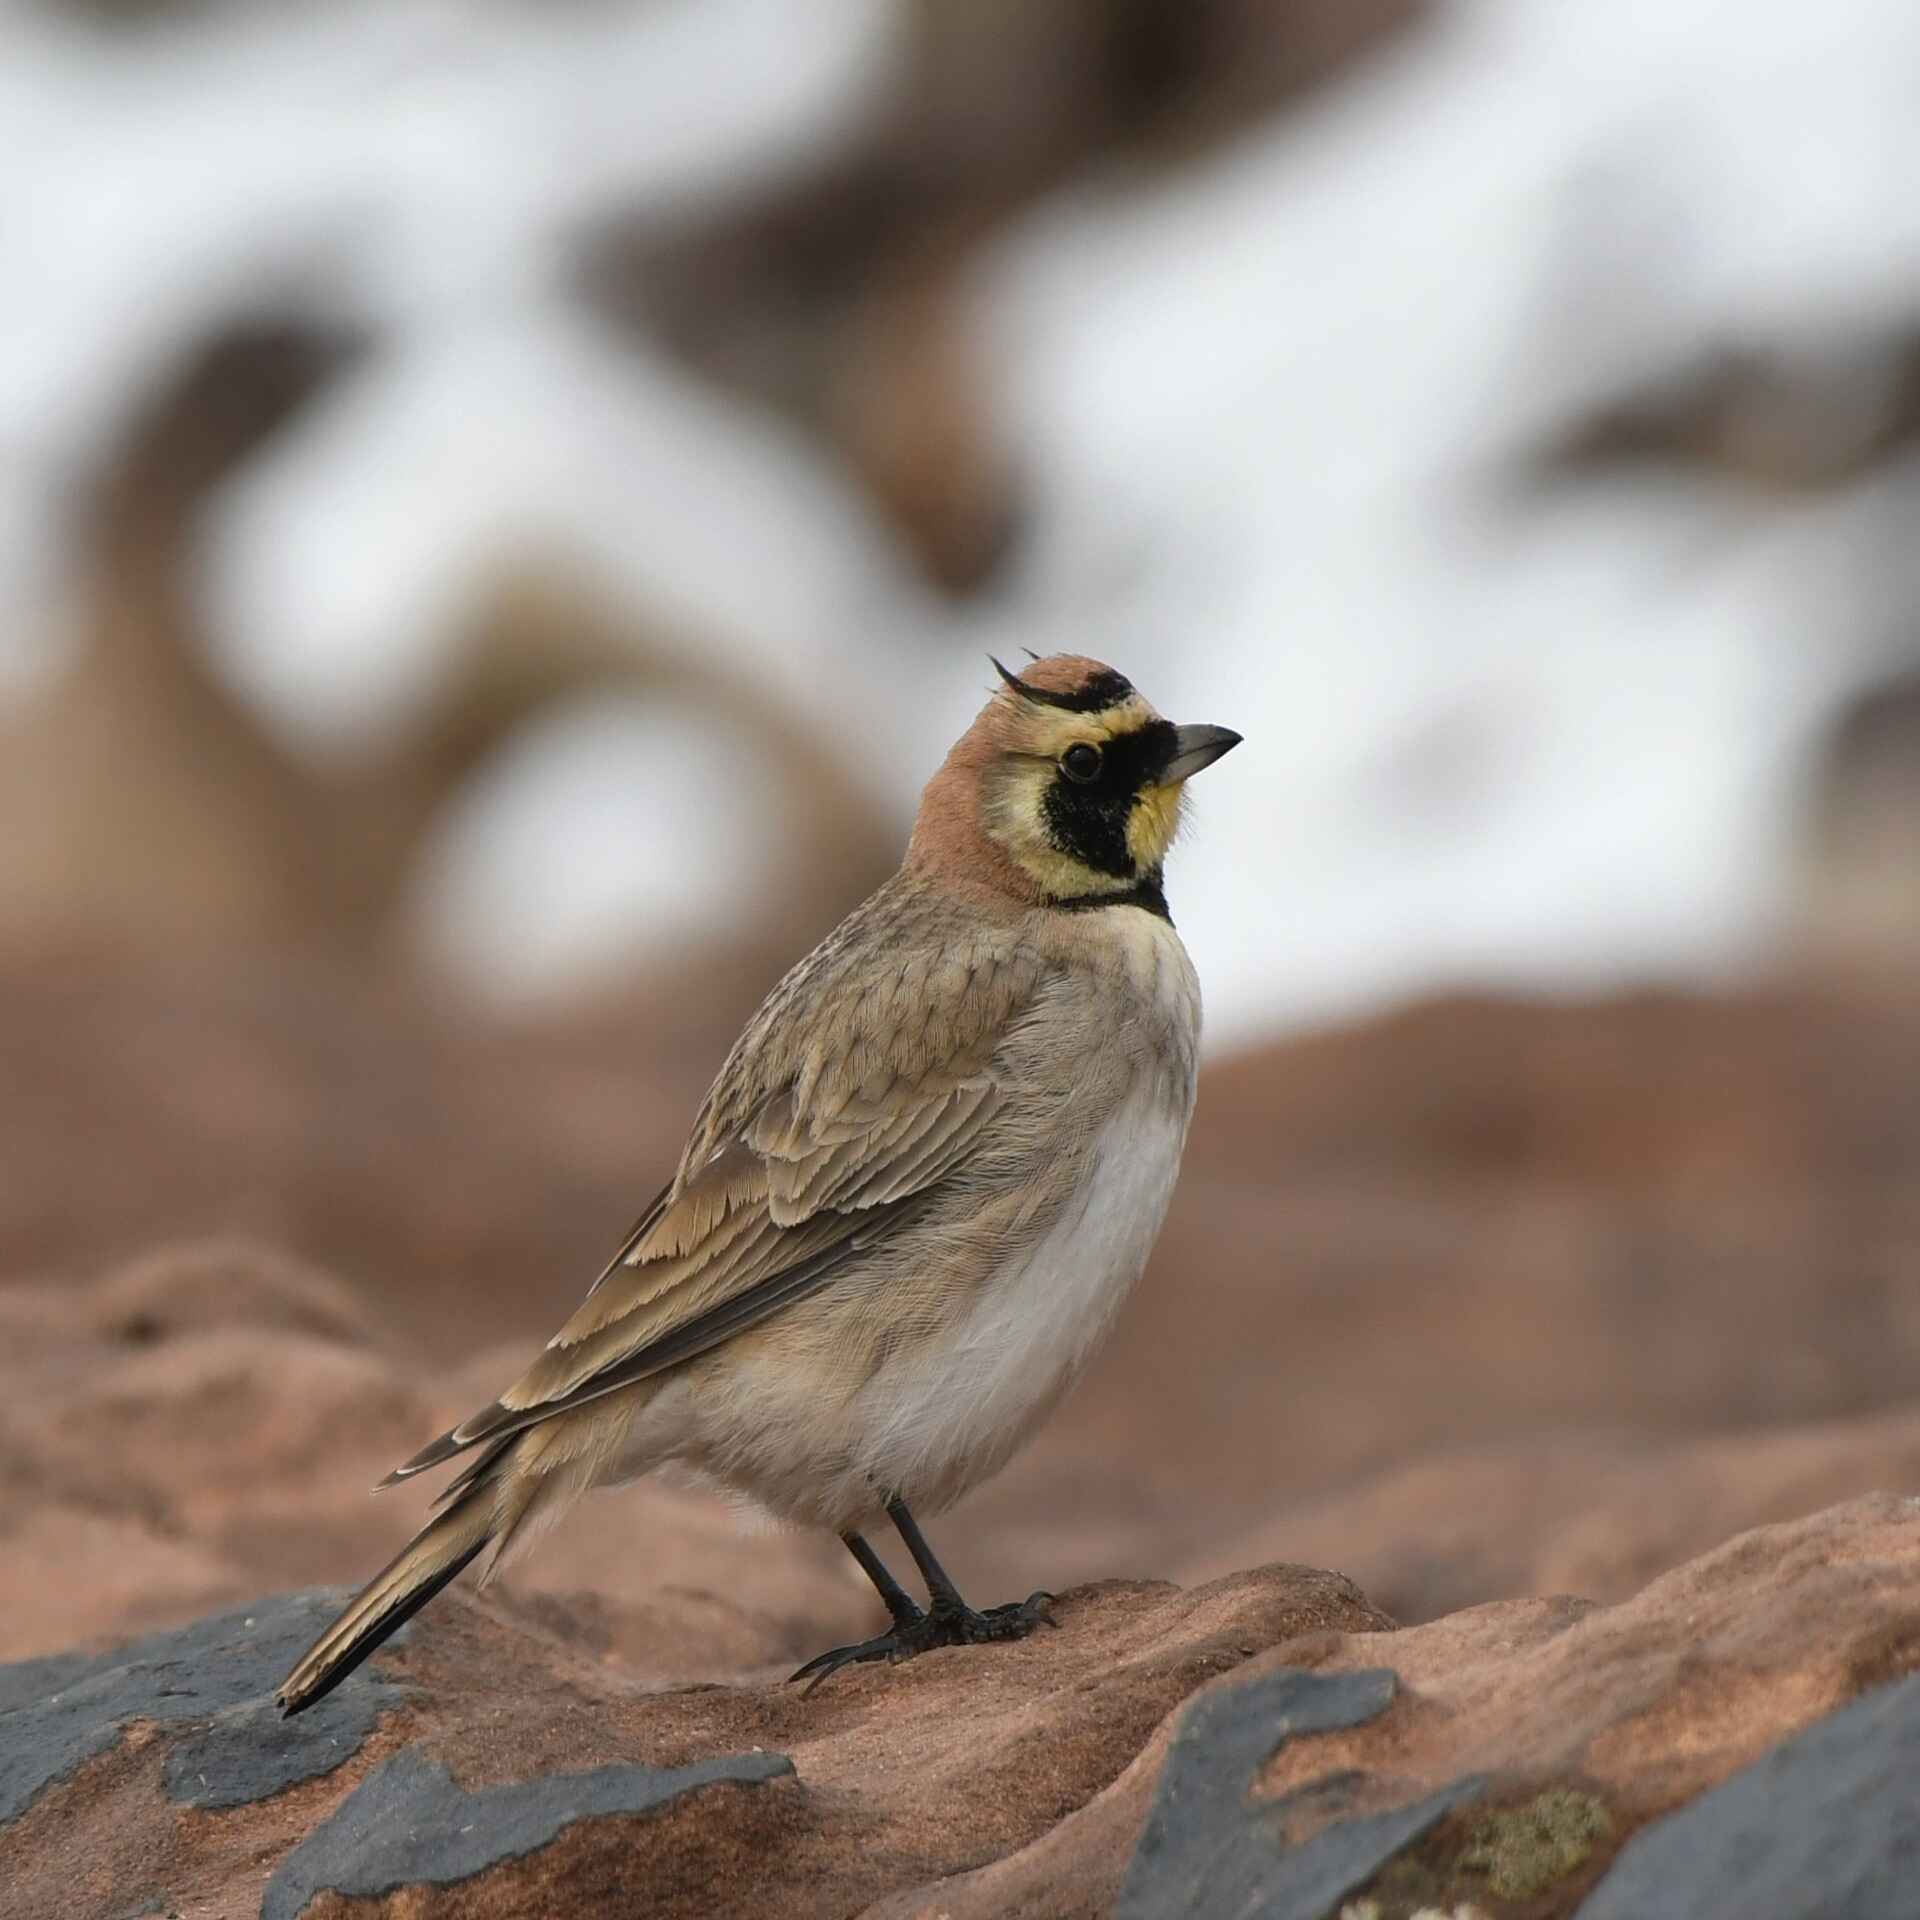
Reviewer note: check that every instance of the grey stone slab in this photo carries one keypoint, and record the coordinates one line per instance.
(1207, 1850)
(1825, 1827)
(215, 1678)
(409, 1824)
(1307, 1882)
(23, 1683)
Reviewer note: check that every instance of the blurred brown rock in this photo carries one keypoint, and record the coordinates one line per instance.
(203, 1288)
(843, 298)
(1778, 417)
(147, 806)
(140, 799)
(1597, 1514)
(458, 1179)
(1476, 1297)
(158, 1461)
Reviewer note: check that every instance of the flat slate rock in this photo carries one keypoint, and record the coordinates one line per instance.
(409, 1824)
(1205, 1850)
(216, 1678)
(1825, 1827)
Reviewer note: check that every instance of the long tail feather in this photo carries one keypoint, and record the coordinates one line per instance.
(434, 1556)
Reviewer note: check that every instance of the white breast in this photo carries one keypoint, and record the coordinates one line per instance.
(946, 1418)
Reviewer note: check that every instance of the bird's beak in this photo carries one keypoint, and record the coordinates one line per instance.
(1196, 748)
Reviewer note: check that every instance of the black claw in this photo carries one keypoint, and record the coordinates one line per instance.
(941, 1627)
(823, 1666)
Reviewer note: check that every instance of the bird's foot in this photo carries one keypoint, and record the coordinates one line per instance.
(939, 1626)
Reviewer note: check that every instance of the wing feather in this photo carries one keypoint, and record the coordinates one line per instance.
(821, 1135)
(686, 1341)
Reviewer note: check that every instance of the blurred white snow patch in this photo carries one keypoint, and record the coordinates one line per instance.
(602, 831)
(1261, 403)
(411, 162)
(339, 568)
(1258, 404)
(454, 143)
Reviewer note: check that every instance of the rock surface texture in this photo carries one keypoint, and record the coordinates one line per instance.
(1478, 1301)
(1739, 1738)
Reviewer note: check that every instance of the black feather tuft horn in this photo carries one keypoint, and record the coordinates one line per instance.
(1012, 679)
(1104, 690)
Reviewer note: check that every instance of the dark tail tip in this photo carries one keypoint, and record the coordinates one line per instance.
(374, 1636)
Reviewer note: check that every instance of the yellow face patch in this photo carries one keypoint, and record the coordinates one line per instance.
(1079, 839)
(1154, 825)
(1014, 800)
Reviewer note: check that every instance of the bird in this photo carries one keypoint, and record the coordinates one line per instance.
(911, 1203)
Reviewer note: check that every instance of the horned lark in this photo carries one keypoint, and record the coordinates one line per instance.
(928, 1173)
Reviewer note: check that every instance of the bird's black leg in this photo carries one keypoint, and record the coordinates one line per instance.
(940, 1588)
(950, 1622)
(947, 1622)
(899, 1602)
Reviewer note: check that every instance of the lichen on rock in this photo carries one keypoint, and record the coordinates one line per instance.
(1527, 1849)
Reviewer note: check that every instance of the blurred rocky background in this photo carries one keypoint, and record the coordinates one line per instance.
(501, 505)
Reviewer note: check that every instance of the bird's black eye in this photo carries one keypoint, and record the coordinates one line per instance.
(1081, 762)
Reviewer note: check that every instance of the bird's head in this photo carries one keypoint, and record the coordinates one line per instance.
(1068, 788)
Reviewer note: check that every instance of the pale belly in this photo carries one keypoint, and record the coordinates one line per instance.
(942, 1416)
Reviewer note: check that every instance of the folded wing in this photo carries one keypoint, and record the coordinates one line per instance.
(765, 1210)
